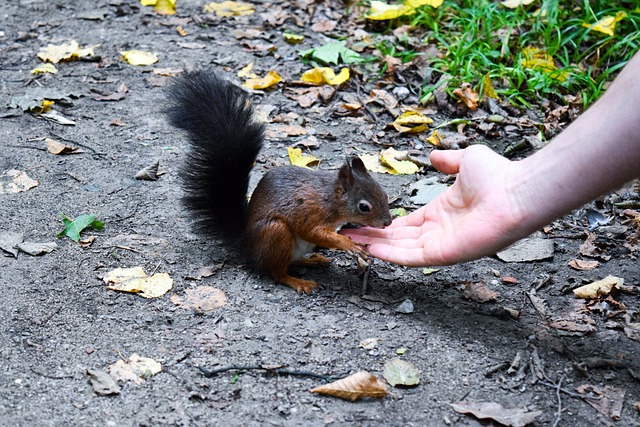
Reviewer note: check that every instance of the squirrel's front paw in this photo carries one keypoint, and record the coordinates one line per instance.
(359, 251)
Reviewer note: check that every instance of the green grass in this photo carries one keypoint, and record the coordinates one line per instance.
(477, 38)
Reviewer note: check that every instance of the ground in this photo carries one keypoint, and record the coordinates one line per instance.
(60, 320)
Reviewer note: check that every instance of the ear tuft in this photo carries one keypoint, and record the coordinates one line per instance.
(358, 165)
(345, 176)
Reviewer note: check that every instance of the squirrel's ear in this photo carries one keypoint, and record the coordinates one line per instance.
(358, 165)
(345, 176)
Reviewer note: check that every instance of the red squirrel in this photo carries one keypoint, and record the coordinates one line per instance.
(292, 209)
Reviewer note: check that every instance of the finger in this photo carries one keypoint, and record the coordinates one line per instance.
(373, 235)
(411, 257)
(447, 161)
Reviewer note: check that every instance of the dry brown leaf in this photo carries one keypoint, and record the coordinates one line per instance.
(354, 387)
(202, 298)
(20, 182)
(514, 417)
(583, 265)
(598, 288)
(591, 250)
(54, 147)
(607, 400)
(467, 95)
(479, 292)
(135, 280)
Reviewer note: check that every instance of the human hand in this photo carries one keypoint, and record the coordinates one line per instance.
(478, 215)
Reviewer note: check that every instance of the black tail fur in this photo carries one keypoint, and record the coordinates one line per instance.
(224, 141)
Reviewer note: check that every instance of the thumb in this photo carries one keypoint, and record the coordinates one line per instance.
(447, 161)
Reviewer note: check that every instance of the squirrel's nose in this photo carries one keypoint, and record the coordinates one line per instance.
(387, 222)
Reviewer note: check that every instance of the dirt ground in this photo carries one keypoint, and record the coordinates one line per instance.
(59, 320)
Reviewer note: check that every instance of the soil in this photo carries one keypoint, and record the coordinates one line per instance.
(59, 319)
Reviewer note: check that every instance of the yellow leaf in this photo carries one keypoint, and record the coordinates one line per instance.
(135, 369)
(513, 4)
(395, 160)
(411, 122)
(382, 11)
(320, 75)
(607, 25)
(64, 52)
(45, 68)
(272, 78)
(163, 7)
(298, 159)
(372, 163)
(246, 72)
(229, 8)
(135, 280)
(487, 88)
(292, 38)
(538, 59)
(435, 138)
(139, 57)
(598, 288)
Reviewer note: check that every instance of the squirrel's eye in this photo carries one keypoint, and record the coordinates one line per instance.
(364, 206)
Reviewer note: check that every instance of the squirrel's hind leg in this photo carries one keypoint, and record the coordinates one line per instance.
(274, 246)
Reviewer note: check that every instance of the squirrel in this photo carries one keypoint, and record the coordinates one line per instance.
(292, 209)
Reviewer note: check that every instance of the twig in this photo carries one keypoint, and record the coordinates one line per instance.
(365, 279)
(559, 411)
(567, 392)
(364, 105)
(279, 371)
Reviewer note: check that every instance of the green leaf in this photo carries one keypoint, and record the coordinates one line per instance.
(401, 372)
(331, 53)
(73, 228)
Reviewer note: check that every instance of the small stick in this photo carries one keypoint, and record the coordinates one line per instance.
(559, 411)
(280, 371)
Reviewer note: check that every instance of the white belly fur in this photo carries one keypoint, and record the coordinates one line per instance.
(301, 249)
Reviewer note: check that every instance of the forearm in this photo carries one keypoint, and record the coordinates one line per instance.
(596, 154)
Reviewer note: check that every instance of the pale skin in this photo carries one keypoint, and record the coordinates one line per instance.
(494, 201)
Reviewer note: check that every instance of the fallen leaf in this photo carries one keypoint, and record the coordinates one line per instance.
(135, 280)
(478, 292)
(537, 59)
(162, 7)
(229, 8)
(149, 173)
(247, 73)
(272, 78)
(292, 38)
(320, 75)
(373, 164)
(487, 87)
(354, 387)
(400, 372)
(35, 249)
(64, 52)
(118, 95)
(606, 25)
(514, 417)
(583, 265)
(201, 298)
(333, 53)
(323, 26)
(598, 288)
(167, 72)
(411, 122)
(45, 68)
(607, 400)
(73, 227)
(57, 148)
(589, 248)
(9, 241)
(426, 189)
(136, 369)
(102, 383)
(397, 161)
(468, 96)
(380, 11)
(513, 4)
(298, 159)
(139, 57)
(527, 249)
(369, 343)
(19, 182)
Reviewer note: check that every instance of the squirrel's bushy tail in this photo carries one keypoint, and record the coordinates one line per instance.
(224, 141)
